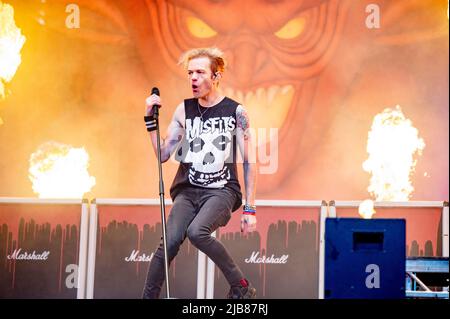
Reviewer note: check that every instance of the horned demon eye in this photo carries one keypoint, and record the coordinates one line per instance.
(221, 142)
(199, 28)
(292, 29)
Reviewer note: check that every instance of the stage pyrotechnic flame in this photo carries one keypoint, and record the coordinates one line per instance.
(11, 42)
(392, 145)
(60, 171)
(366, 209)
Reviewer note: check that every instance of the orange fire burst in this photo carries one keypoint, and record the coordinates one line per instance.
(11, 42)
(60, 171)
(392, 145)
(366, 209)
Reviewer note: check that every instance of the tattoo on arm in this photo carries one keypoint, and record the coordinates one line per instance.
(243, 122)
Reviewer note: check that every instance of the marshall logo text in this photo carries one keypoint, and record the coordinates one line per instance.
(17, 255)
(256, 259)
(135, 257)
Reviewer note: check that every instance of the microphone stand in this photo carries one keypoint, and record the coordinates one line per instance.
(161, 201)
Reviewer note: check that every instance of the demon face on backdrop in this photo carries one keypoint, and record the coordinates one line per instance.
(311, 70)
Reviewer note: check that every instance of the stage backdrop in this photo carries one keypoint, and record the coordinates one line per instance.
(316, 72)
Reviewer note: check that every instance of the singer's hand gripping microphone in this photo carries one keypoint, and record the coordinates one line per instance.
(155, 110)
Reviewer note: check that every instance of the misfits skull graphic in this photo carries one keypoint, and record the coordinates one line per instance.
(208, 146)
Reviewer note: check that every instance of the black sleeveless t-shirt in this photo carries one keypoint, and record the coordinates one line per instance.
(207, 152)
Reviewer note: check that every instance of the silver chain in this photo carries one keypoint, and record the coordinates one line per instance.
(200, 112)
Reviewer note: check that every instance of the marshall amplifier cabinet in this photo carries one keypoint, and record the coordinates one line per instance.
(123, 235)
(43, 248)
(280, 258)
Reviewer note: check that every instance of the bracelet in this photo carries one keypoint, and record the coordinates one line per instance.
(150, 123)
(249, 209)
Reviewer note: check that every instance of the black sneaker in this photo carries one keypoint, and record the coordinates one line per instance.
(244, 290)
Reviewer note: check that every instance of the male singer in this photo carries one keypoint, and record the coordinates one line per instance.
(204, 132)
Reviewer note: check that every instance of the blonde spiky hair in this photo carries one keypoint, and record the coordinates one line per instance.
(215, 55)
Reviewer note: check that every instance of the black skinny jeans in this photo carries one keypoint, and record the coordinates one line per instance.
(196, 213)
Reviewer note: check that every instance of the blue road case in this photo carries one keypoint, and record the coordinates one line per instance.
(365, 258)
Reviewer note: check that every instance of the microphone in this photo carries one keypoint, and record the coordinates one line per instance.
(155, 111)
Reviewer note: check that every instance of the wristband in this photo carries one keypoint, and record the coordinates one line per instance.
(150, 123)
(249, 209)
